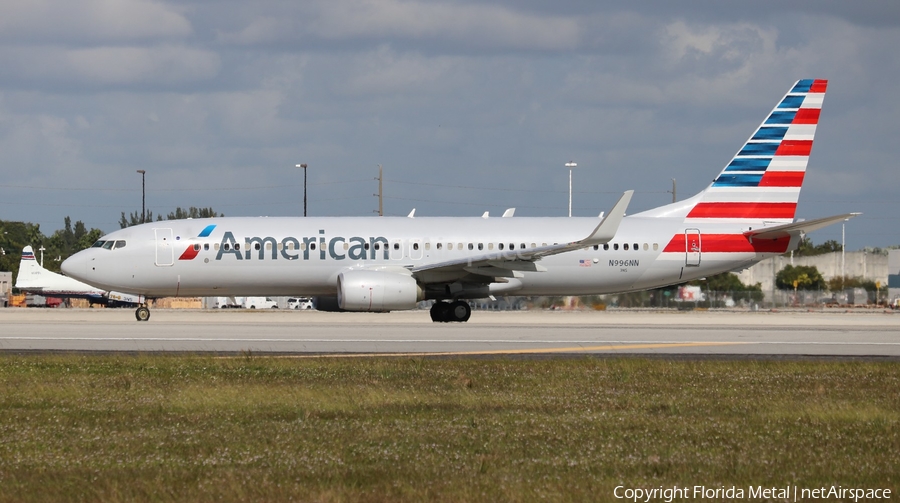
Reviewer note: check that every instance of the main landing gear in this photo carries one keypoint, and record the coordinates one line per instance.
(458, 311)
(142, 313)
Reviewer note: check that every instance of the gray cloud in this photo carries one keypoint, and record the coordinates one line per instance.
(470, 106)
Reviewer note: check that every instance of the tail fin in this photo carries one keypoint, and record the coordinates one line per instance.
(29, 269)
(763, 180)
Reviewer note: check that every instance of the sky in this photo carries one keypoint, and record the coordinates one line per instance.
(469, 106)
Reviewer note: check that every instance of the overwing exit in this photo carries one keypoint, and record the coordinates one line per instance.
(391, 263)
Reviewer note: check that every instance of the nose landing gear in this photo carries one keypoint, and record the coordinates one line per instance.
(442, 312)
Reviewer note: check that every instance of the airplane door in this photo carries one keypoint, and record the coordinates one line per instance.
(415, 249)
(692, 247)
(165, 248)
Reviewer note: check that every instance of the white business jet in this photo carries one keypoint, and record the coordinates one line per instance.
(391, 263)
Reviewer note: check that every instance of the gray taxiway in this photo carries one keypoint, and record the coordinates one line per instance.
(819, 333)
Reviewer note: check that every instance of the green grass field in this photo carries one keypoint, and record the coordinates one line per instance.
(197, 428)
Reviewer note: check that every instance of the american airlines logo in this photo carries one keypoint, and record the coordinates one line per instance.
(293, 248)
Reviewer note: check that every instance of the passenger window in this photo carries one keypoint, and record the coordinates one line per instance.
(500, 246)
(415, 246)
(365, 246)
(596, 247)
(615, 246)
(635, 247)
(625, 246)
(268, 246)
(226, 247)
(237, 246)
(460, 246)
(655, 246)
(312, 246)
(256, 246)
(427, 246)
(449, 246)
(470, 246)
(522, 246)
(377, 246)
(512, 246)
(481, 246)
(396, 246)
(646, 247)
(290, 246)
(196, 246)
(439, 246)
(533, 245)
(490, 246)
(216, 246)
(606, 246)
(346, 246)
(205, 246)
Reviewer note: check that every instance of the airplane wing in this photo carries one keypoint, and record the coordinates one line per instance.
(804, 227)
(510, 264)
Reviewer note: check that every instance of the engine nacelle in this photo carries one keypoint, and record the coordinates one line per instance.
(377, 291)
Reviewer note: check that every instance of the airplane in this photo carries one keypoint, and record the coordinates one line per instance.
(33, 278)
(391, 263)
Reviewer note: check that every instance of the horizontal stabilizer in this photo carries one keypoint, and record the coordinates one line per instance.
(803, 227)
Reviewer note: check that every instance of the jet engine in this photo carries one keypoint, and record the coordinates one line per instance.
(377, 291)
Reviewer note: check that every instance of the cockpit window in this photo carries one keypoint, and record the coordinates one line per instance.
(120, 244)
(98, 244)
(108, 245)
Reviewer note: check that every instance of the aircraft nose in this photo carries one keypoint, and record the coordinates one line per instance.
(75, 266)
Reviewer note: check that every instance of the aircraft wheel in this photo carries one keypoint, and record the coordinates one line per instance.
(439, 311)
(459, 311)
(142, 314)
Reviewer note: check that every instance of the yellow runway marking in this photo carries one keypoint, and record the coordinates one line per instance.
(577, 349)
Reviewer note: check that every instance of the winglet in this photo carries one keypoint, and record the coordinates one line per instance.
(509, 212)
(606, 229)
(412, 214)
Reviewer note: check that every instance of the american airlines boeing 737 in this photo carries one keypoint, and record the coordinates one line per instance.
(391, 263)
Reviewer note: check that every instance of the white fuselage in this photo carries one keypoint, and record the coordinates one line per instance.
(304, 256)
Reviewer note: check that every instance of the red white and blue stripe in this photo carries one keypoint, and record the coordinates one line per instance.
(763, 180)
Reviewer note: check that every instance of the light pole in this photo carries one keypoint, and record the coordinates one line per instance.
(842, 251)
(570, 165)
(143, 196)
(304, 186)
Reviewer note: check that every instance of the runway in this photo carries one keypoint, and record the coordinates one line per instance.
(310, 333)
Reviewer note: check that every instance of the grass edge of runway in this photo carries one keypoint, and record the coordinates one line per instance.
(172, 428)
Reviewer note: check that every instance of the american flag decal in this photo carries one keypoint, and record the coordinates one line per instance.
(584, 263)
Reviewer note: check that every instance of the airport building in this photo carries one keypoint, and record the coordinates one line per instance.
(859, 264)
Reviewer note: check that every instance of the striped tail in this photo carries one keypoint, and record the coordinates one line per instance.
(762, 182)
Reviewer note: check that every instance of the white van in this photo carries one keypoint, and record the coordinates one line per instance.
(260, 303)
